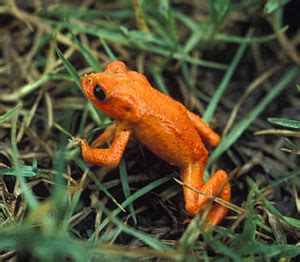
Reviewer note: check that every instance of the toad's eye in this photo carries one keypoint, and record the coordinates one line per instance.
(99, 93)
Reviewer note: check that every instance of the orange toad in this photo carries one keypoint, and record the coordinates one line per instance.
(160, 123)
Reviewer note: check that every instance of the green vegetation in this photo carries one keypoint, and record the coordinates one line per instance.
(233, 62)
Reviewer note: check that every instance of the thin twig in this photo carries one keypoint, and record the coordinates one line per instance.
(216, 199)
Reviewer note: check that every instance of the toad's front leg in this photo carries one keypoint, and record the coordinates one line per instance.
(194, 202)
(106, 137)
(107, 157)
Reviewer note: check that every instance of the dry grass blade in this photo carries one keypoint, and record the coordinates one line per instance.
(256, 83)
(286, 43)
(140, 20)
(291, 151)
(49, 110)
(296, 195)
(281, 132)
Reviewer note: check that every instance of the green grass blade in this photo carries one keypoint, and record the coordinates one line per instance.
(159, 80)
(132, 198)
(152, 242)
(273, 5)
(9, 114)
(167, 12)
(125, 186)
(255, 248)
(108, 49)
(73, 204)
(198, 36)
(93, 63)
(247, 236)
(27, 89)
(291, 144)
(239, 128)
(220, 248)
(255, 39)
(29, 197)
(191, 234)
(289, 220)
(76, 78)
(143, 45)
(251, 245)
(48, 246)
(59, 190)
(209, 112)
(27, 171)
(70, 68)
(84, 166)
(285, 178)
(228, 38)
(285, 122)
(248, 233)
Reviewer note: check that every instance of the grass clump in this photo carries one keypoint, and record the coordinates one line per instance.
(215, 58)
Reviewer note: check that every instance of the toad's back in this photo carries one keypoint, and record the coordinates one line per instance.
(167, 131)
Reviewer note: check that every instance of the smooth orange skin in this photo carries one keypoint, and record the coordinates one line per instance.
(160, 123)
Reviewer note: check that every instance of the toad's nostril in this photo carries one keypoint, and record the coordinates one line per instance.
(86, 80)
(116, 67)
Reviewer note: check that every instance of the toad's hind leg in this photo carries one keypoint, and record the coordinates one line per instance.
(195, 202)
